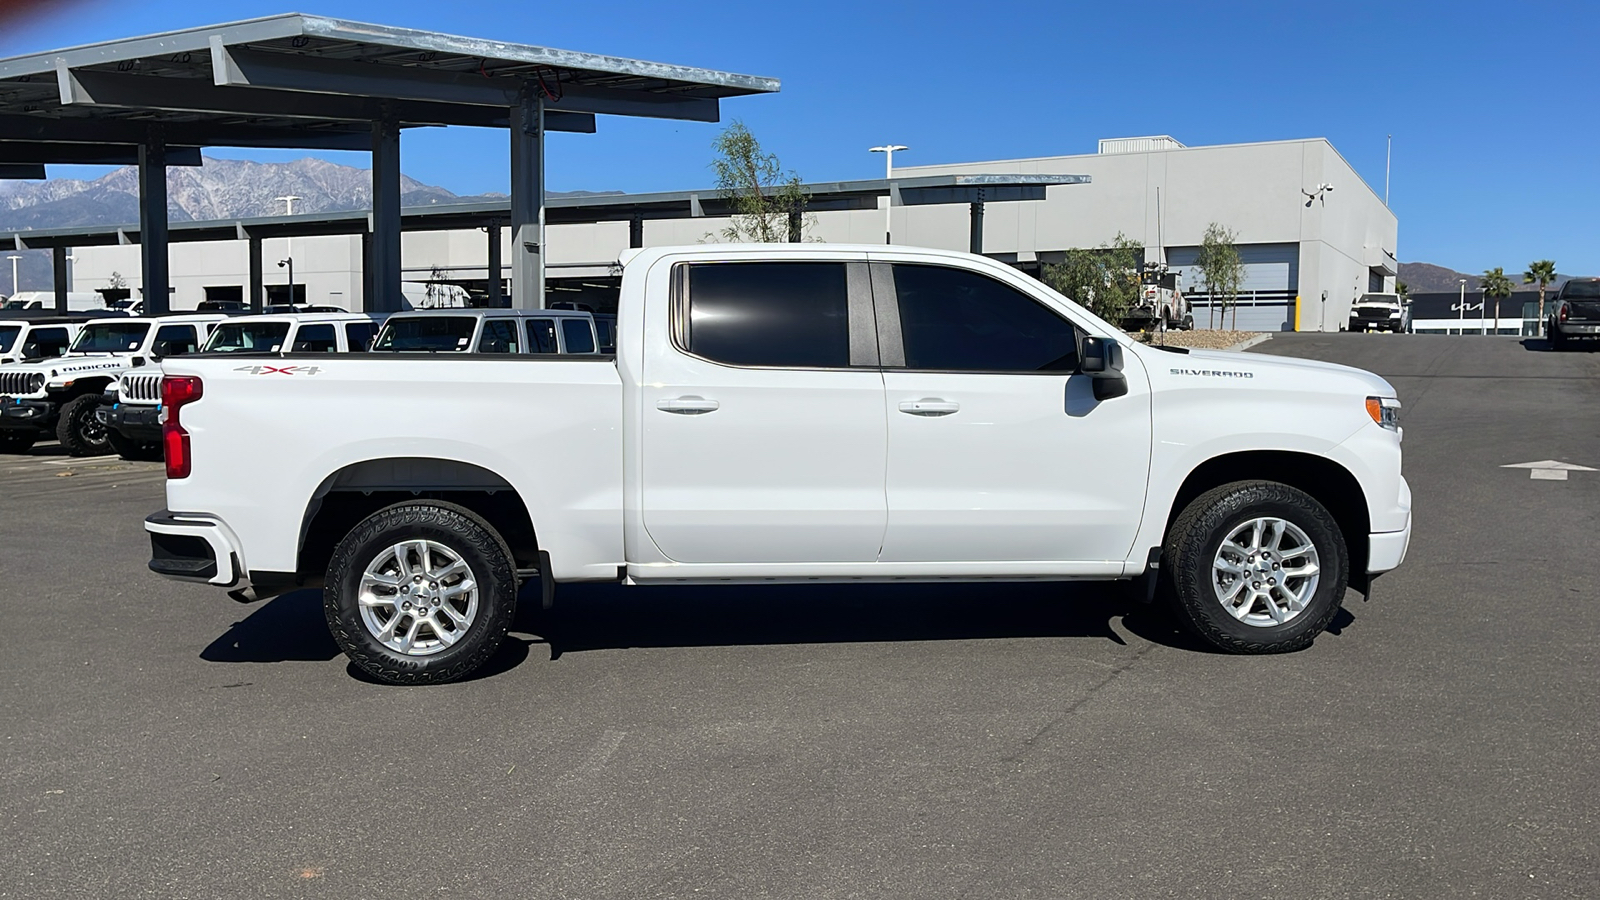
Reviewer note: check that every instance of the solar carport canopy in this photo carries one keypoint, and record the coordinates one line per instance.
(320, 83)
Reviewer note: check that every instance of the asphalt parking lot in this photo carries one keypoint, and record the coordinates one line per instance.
(968, 740)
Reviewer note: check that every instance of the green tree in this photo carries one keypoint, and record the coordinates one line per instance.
(1403, 290)
(767, 202)
(1104, 279)
(1542, 273)
(1495, 284)
(1221, 269)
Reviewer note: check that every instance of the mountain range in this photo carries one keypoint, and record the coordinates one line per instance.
(1427, 278)
(219, 189)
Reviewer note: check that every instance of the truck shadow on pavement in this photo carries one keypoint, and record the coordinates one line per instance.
(591, 617)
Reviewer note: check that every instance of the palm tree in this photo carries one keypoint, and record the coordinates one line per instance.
(1403, 289)
(1543, 272)
(1495, 284)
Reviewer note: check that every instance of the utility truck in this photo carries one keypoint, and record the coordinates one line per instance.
(783, 413)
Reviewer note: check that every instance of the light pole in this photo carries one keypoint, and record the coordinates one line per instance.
(888, 172)
(1462, 307)
(1483, 304)
(288, 210)
(13, 257)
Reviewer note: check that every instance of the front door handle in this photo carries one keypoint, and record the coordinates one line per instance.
(688, 406)
(929, 406)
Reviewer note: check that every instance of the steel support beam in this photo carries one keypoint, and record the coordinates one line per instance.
(496, 266)
(45, 153)
(242, 67)
(975, 237)
(90, 88)
(22, 171)
(58, 266)
(258, 286)
(636, 230)
(384, 259)
(103, 130)
(153, 221)
(527, 202)
(366, 272)
(796, 226)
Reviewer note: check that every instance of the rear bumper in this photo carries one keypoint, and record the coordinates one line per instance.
(1575, 329)
(194, 547)
(1386, 550)
(139, 423)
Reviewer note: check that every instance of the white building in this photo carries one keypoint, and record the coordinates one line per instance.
(1313, 235)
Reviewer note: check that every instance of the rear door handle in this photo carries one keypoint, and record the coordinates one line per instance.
(929, 406)
(688, 406)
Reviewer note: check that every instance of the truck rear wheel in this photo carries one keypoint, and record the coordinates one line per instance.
(78, 430)
(1256, 567)
(420, 593)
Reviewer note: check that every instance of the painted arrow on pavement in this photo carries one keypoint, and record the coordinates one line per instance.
(1548, 469)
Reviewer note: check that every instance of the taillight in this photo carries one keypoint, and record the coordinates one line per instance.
(176, 390)
(1563, 313)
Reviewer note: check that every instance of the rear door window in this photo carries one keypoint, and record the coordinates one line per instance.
(578, 334)
(542, 336)
(427, 333)
(178, 340)
(359, 336)
(319, 338)
(499, 336)
(783, 314)
(50, 342)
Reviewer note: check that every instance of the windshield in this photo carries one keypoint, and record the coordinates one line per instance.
(15, 304)
(110, 337)
(232, 337)
(443, 333)
(1582, 290)
(8, 337)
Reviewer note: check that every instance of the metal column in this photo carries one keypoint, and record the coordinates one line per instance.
(383, 261)
(258, 279)
(153, 222)
(496, 267)
(796, 226)
(975, 238)
(366, 272)
(58, 260)
(636, 230)
(527, 201)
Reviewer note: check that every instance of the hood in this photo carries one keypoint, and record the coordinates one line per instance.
(1262, 364)
(66, 366)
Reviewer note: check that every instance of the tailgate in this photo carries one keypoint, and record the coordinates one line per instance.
(1587, 311)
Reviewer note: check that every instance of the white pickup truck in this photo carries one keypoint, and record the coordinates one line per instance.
(774, 413)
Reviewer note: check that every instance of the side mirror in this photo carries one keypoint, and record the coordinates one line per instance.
(1102, 361)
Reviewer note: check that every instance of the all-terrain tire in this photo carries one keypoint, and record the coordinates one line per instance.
(465, 535)
(16, 441)
(132, 450)
(1196, 538)
(77, 429)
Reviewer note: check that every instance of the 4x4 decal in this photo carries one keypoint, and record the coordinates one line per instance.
(280, 370)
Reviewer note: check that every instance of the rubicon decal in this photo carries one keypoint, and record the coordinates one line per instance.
(1213, 373)
(279, 370)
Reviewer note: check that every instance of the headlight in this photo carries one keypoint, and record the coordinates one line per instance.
(1385, 411)
(36, 382)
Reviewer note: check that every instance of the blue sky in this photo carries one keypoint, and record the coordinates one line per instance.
(1497, 141)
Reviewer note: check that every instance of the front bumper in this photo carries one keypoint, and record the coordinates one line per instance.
(195, 547)
(138, 423)
(33, 415)
(1386, 550)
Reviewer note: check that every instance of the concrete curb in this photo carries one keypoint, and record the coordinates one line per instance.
(1247, 344)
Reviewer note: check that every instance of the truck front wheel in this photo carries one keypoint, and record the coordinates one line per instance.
(79, 431)
(420, 593)
(1256, 567)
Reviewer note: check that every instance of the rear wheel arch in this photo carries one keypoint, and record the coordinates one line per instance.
(1328, 482)
(358, 490)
